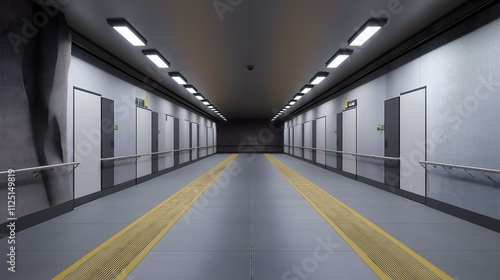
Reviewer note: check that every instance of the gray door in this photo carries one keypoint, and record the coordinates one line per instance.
(176, 136)
(339, 140)
(107, 142)
(154, 141)
(391, 141)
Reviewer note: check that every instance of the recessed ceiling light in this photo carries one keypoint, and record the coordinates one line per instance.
(292, 102)
(206, 102)
(127, 31)
(287, 106)
(306, 89)
(178, 78)
(156, 58)
(339, 57)
(318, 78)
(298, 96)
(366, 31)
(199, 96)
(191, 89)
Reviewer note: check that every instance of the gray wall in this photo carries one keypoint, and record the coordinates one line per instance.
(89, 73)
(460, 71)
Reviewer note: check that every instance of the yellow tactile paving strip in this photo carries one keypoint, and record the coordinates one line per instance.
(119, 255)
(385, 255)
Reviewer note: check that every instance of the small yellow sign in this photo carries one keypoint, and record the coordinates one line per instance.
(115, 127)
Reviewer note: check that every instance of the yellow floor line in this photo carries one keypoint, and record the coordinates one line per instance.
(385, 255)
(119, 255)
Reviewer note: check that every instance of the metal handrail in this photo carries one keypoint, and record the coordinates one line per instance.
(39, 168)
(464, 167)
(348, 153)
(153, 154)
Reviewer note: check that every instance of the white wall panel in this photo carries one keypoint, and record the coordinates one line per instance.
(87, 142)
(144, 143)
(297, 141)
(194, 141)
(184, 141)
(203, 140)
(308, 140)
(211, 140)
(320, 140)
(349, 140)
(412, 141)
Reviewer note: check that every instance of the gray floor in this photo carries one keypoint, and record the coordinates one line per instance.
(252, 224)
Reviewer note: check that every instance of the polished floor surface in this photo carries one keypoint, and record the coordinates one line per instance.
(252, 224)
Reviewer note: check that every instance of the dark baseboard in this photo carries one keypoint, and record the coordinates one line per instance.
(33, 219)
(147, 178)
(93, 196)
(473, 217)
(400, 192)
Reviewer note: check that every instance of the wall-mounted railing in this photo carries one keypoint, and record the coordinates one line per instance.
(106, 162)
(376, 158)
(36, 170)
(470, 170)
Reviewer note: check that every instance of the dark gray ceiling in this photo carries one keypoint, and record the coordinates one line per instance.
(288, 42)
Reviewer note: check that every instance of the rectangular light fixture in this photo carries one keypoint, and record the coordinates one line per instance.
(339, 57)
(318, 78)
(127, 31)
(156, 58)
(199, 96)
(298, 96)
(178, 78)
(287, 106)
(306, 89)
(366, 31)
(211, 107)
(206, 102)
(292, 102)
(191, 89)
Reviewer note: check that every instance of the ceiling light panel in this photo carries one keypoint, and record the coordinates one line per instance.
(191, 89)
(306, 89)
(178, 78)
(127, 31)
(156, 58)
(366, 31)
(318, 78)
(339, 57)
